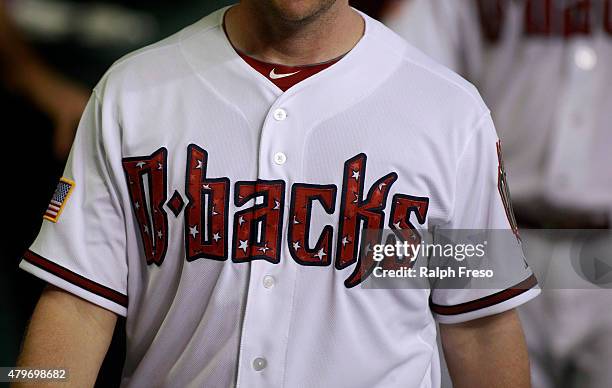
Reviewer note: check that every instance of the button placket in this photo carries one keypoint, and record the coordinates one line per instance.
(570, 144)
(278, 120)
(269, 281)
(280, 158)
(585, 57)
(279, 114)
(259, 364)
(269, 298)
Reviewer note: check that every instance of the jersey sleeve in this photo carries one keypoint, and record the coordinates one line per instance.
(482, 208)
(81, 246)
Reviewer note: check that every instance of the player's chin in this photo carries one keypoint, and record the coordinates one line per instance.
(300, 11)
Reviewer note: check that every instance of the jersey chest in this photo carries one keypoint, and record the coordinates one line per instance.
(235, 193)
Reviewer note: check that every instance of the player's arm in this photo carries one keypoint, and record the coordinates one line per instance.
(67, 332)
(487, 352)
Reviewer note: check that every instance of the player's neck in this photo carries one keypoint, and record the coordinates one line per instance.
(329, 35)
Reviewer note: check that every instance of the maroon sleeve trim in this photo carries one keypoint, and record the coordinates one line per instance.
(75, 278)
(487, 301)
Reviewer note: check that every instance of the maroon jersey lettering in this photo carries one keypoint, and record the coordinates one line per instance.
(357, 214)
(538, 17)
(492, 15)
(206, 214)
(148, 205)
(302, 197)
(608, 16)
(257, 230)
(402, 208)
(577, 18)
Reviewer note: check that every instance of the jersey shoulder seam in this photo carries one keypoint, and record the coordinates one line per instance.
(95, 95)
(475, 130)
(451, 81)
(179, 36)
(477, 127)
(172, 41)
(145, 50)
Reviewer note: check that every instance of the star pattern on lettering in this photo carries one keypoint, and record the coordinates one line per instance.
(146, 229)
(244, 245)
(381, 185)
(345, 240)
(206, 187)
(355, 175)
(193, 231)
(264, 249)
(199, 164)
(216, 237)
(276, 205)
(296, 245)
(241, 220)
(137, 205)
(321, 254)
(160, 235)
(140, 164)
(159, 166)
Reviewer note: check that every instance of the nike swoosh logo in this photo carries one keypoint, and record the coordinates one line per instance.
(274, 75)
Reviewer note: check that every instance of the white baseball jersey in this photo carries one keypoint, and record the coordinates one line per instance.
(222, 216)
(544, 69)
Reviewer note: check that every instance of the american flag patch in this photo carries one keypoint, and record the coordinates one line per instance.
(60, 197)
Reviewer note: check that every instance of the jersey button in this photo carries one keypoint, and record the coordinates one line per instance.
(259, 364)
(268, 281)
(280, 158)
(585, 58)
(280, 114)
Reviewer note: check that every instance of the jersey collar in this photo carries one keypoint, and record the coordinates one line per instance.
(358, 74)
